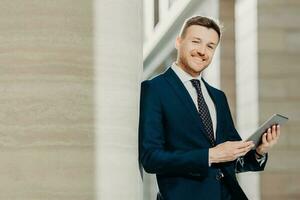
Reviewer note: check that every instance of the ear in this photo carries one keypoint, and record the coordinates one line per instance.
(178, 42)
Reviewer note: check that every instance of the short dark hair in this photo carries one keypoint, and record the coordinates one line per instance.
(200, 21)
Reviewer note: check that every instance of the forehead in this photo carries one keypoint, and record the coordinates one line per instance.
(202, 32)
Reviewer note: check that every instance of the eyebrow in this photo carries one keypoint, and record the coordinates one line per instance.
(197, 38)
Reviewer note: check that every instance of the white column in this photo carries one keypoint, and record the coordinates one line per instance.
(148, 18)
(118, 67)
(163, 9)
(247, 83)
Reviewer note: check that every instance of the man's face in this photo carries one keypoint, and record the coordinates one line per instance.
(196, 49)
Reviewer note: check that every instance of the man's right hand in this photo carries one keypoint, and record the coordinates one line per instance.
(229, 151)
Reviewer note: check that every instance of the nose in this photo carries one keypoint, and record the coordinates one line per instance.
(201, 50)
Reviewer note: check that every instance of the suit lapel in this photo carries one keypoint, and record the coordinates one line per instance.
(186, 99)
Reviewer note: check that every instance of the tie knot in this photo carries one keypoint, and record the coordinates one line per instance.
(196, 84)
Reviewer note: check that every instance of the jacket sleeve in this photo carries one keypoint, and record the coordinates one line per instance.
(249, 161)
(153, 155)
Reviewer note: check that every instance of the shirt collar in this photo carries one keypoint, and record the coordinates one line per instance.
(183, 76)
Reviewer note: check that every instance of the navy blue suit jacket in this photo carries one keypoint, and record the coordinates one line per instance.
(174, 145)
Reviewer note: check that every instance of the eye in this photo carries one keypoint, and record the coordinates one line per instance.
(196, 41)
(210, 46)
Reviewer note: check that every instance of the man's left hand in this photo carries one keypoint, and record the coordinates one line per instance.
(269, 138)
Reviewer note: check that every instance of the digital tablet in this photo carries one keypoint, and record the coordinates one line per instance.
(275, 119)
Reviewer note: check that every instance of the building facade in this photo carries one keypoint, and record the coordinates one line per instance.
(70, 86)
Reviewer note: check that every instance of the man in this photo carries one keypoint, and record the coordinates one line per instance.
(187, 135)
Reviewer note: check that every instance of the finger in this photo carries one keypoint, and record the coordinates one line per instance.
(251, 143)
(269, 135)
(264, 138)
(278, 131)
(274, 128)
(274, 132)
(245, 145)
(242, 151)
(237, 143)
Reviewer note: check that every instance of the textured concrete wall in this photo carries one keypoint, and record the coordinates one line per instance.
(279, 71)
(46, 98)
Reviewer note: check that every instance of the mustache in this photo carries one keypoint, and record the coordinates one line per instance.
(199, 56)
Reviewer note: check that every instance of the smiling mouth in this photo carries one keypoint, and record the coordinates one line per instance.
(198, 59)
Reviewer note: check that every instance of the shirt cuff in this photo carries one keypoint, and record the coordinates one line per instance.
(261, 159)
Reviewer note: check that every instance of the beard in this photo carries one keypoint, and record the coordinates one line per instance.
(183, 62)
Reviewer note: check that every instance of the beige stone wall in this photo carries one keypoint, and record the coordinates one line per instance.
(46, 98)
(227, 57)
(279, 71)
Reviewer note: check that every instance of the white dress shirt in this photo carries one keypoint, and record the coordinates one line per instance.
(186, 80)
